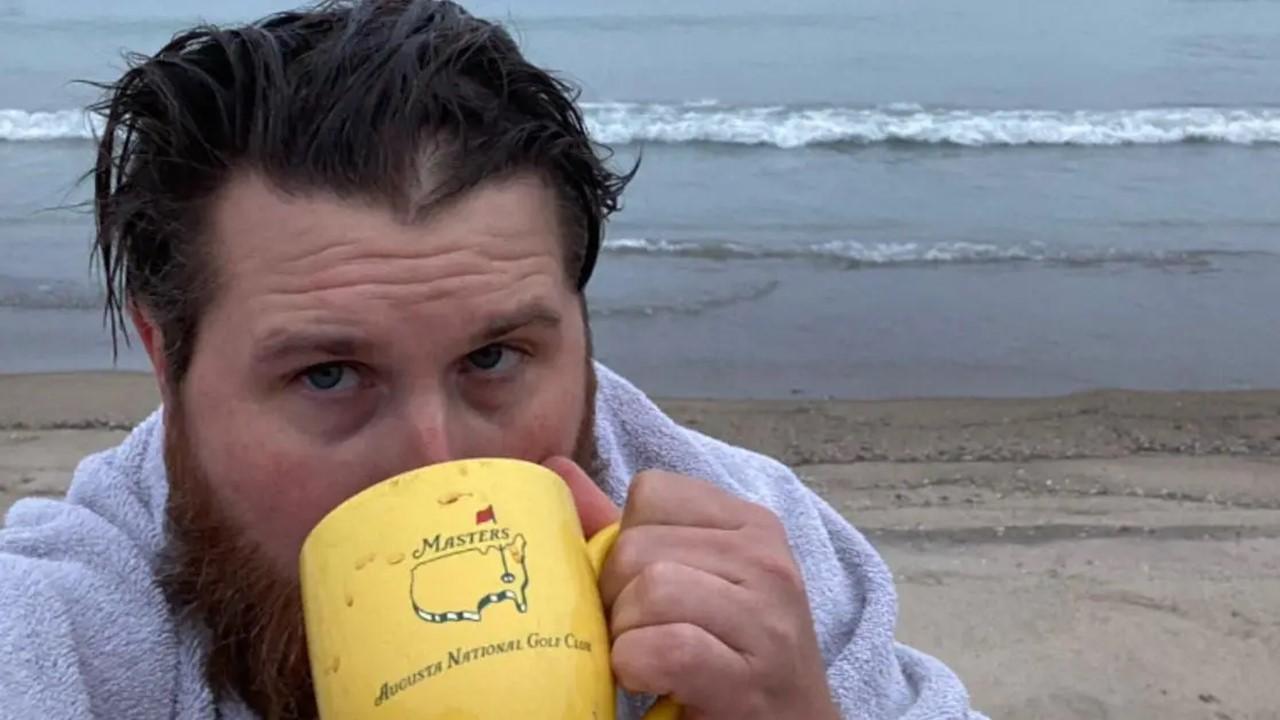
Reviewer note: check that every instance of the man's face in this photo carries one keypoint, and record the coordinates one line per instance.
(344, 347)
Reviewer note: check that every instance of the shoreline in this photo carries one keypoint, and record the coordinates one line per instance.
(1230, 421)
(1102, 554)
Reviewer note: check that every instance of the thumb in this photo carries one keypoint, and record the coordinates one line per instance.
(595, 510)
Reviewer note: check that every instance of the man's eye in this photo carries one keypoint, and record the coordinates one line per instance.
(330, 377)
(493, 359)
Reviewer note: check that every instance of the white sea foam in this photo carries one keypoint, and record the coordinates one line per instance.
(792, 127)
(850, 253)
(847, 251)
(709, 121)
(23, 126)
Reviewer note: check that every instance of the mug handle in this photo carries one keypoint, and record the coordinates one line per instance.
(598, 548)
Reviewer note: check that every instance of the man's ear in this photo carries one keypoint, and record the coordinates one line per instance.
(153, 343)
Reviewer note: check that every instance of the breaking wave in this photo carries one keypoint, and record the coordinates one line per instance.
(793, 127)
(708, 121)
(23, 126)
(852, 254)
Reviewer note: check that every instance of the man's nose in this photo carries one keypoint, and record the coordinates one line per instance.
(426, 436)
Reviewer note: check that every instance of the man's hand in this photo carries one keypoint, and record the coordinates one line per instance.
(706, 603)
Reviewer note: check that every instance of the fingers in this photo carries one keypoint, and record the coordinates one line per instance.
(595, 510)
(711, 551)
(676, 660)
(708, 605)
(667, 593)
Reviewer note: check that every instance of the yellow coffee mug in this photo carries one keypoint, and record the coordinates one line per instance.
(457, 591)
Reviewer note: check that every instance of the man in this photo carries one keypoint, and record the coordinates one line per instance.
(353, 241)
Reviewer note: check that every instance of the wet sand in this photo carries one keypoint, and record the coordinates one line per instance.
(1107, 554)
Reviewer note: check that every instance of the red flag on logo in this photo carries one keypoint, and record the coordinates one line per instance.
(485, 516)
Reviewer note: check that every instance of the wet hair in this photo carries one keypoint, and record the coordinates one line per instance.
(408, 103)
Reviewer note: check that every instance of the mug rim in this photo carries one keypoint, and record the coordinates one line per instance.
(380, 486)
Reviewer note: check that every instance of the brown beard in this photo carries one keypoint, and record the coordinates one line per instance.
(257, 638)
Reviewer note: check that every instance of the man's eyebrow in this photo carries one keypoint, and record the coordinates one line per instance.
(498, 327)
(280, 346)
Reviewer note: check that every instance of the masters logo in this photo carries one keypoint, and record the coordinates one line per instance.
(461, 575)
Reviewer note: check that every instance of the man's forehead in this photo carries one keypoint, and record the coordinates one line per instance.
(318, 275)
(257, 225)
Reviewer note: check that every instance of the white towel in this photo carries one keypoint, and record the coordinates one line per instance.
(85, 631)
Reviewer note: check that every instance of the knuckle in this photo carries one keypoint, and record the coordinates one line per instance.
(765, 519)
(629, 664)
(779, 636)
(780, 568)
(654, 659)
(658, 585)
(682, 648)
(645, 488)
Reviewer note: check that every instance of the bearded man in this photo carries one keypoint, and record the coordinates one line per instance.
(353, 240)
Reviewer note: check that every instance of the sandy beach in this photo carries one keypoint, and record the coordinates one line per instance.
(1108, 554)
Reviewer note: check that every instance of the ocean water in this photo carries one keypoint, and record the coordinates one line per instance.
(867, 199)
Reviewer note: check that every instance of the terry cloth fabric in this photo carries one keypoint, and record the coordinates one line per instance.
(85, 631)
